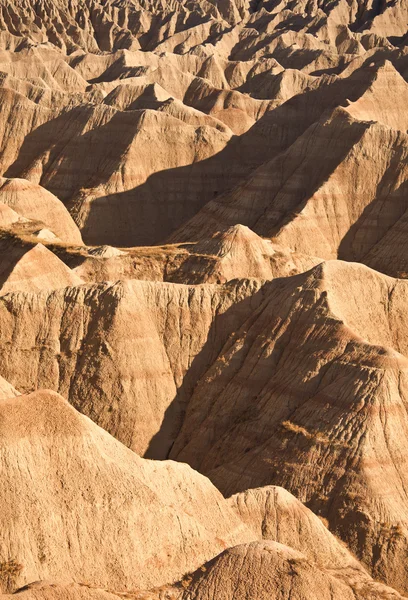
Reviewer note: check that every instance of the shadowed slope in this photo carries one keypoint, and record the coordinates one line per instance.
(311, 394)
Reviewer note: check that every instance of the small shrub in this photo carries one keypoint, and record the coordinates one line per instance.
(9, 571)
(186, 581)
(289, 426)
(392, 531)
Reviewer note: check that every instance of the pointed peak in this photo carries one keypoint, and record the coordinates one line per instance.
(106, 252)
(227, 240)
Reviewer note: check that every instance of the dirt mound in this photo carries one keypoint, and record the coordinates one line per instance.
(267, 570)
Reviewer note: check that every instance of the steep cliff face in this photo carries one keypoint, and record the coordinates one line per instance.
(310, 393)
(125, 354)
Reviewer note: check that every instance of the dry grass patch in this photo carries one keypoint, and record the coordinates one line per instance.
(392, 530)
(314, 436)
(9, 572)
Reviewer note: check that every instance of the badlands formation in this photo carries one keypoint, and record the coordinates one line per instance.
(203, 299)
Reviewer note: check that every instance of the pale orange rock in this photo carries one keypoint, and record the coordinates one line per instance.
(68, 486)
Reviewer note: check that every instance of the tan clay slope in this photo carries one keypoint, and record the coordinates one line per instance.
(7, 390)
(33, 270)
(17, 108)
(257, 571)
(237, 252)
(86, 178)
(336, 192)
(91, 157)
(65, 148)
(303, 540)
(392, 21)
(79, 506)
(117, 198)
(125, 354)
(68, 26)
(67, 154)
(311, 394)
(48, 69)
(38, 92)
(273, 514)
(9, 217)
(383, 100)
(34, 202)
(99, 26)
(281, 127)
(51, 591)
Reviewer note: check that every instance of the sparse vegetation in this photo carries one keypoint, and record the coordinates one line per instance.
(392, 531)
(324, 521)
(9, 571)
(315, 436)
(186, 581)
